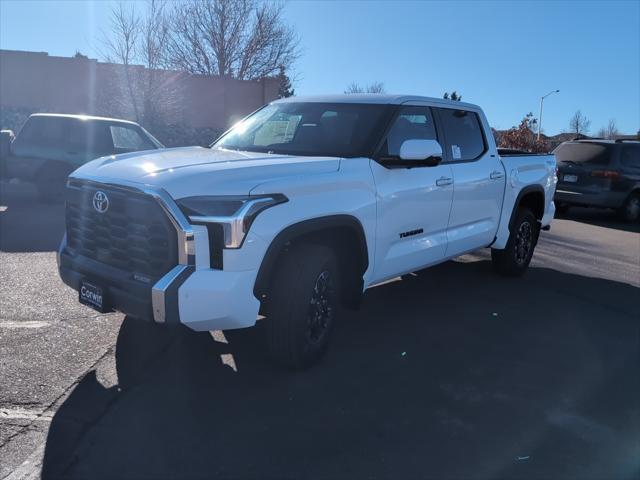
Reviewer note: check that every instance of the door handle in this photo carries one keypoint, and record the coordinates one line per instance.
(444, 181)
(496, 174)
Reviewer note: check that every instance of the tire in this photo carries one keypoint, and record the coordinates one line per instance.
(630, 211)
(514, 260)
(303, 306)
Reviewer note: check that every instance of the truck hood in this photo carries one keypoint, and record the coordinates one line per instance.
(198, 171)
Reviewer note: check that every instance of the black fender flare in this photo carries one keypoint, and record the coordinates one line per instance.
(302, 229)
(525, 191)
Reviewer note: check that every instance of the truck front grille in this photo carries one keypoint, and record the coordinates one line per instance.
(133, 234)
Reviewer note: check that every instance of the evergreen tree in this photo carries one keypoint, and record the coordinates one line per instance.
(284, 88)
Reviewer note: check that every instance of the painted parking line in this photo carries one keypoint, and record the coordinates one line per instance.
(26, 324)
(3, 208)
(226, 358)
(25, 414)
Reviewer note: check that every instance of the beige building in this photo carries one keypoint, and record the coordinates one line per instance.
(36, 81)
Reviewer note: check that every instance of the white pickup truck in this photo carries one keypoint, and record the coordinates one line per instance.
(295, 211)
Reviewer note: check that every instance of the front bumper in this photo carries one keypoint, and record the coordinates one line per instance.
(202, 299)
(126, 295)
(192, 293)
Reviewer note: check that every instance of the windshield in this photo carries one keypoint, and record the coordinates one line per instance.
(592, 153)
(314, 129)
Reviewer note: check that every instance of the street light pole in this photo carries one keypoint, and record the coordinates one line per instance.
(540, 116)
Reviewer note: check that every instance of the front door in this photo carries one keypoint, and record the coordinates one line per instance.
(413, 203)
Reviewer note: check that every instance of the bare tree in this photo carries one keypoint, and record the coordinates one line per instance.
(354, 87)
(120, 46)
(159, 91)
(138, 42)
(375, 87)
(454, 96)
(609, 132)
(244, 39)
(579, 124)
(154, 36)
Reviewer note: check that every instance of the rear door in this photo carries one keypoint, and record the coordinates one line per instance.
(479, 181)
(413, 203)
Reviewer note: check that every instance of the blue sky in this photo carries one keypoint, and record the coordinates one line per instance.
(501, 55)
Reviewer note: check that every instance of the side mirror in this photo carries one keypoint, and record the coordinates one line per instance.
(425, 152)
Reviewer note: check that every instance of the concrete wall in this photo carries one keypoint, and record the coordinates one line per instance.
(39, 82)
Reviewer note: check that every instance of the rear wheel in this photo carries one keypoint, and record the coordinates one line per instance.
(516, 256)
(303, 306)
(630, 211)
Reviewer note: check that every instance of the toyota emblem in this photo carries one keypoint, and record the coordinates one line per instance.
(100, 202)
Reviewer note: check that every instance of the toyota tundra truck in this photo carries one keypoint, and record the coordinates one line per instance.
(295, 211)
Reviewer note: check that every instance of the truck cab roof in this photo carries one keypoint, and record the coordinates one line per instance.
(376, 98)
(83, 117)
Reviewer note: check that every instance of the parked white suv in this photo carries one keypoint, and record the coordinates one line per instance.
(295, 211)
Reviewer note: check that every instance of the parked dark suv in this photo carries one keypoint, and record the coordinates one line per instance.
(51, 146)
(599, 173)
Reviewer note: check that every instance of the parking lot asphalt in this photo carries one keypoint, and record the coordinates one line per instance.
(452, 372)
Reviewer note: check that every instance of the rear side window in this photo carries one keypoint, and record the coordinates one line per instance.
(50, 132)
(129, 139)
(463, 133)
(584, 153)
(630, 157)
(412, 123)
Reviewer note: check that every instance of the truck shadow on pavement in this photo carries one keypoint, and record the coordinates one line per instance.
(449, 373)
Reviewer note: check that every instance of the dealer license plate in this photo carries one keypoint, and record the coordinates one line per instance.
(93, 296)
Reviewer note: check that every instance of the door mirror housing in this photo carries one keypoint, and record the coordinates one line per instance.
(423, 152)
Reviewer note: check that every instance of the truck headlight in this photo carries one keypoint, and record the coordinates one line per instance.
(234, 214)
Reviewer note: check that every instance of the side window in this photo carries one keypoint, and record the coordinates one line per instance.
(129, 139)
(80, 136)
(45, 132)
(412, 123)
(90, 137)
(463, 133)
(630, 157)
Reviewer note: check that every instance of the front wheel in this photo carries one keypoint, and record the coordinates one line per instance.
(516, 256)
(303, 306)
